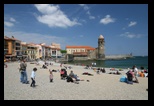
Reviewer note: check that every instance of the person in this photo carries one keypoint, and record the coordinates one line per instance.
(129, 77)
(135, 70)
(71, 74)
(44, 66)
(103, 70)
(141, 74)
(98, 71)
(92, 64)
(75, 77)
(118, 73)
(24, 77)
(51, 76)
(33, 77)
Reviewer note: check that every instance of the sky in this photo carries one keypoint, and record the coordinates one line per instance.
(123, 26)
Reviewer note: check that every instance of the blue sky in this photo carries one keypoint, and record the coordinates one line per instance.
(124, 26)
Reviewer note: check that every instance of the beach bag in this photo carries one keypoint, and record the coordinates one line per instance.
(123, 79)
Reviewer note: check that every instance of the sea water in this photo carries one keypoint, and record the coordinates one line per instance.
(121, 63)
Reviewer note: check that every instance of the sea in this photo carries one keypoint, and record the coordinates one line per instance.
(139, 61)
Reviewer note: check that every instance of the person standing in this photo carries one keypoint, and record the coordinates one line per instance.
(135, 70)
(51, 76)
(23, 66)
(33, 77)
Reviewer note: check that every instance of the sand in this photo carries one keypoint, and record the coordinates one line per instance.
(101, 86)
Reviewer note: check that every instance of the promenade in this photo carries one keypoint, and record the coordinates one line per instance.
(101, 86)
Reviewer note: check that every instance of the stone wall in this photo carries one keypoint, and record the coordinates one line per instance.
(118, 56)
(80, 58)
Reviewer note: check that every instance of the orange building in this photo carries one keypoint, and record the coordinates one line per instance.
(9, 47)
(12, 48)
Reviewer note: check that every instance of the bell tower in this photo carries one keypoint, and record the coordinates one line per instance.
(101, 42)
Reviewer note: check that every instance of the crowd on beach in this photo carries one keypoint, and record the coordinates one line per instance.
(131, 75)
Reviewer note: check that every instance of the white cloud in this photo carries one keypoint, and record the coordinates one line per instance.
(131, 35)
(9, 24)
(53, 16)
(12, 19)
(84, 6)
(107, 20)
(132, 23)
(91, 17)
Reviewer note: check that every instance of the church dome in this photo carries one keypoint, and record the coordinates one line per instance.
(101, 37)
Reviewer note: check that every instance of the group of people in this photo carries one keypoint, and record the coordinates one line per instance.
(101, 70)
(132, 75)
(69, 78)
(23, 74)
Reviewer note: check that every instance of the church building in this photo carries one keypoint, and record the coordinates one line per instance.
(87, 52)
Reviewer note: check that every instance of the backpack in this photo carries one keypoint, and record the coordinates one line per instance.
(123, 79)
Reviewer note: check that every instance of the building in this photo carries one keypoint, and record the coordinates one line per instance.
(32, 51)
(55, 50)
(24, 50)
(100, 49)
(86, 52)
(9, 47)
(12, 48)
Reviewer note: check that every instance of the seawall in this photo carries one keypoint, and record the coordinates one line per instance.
(118, 56)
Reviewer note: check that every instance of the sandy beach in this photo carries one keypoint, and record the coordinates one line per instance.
(101, 86)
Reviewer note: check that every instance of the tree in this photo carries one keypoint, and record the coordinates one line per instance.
(63, 51)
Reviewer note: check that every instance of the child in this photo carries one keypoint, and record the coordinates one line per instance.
(33, 77)
(51, 76)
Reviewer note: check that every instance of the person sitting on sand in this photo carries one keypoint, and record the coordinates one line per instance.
(71, 74)
(98, 71)
(112, 69)
(44, 66)
(129, 77)
(103, 70)
(141, 74)
(118, 73)
(86, 73)
(75, 77)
